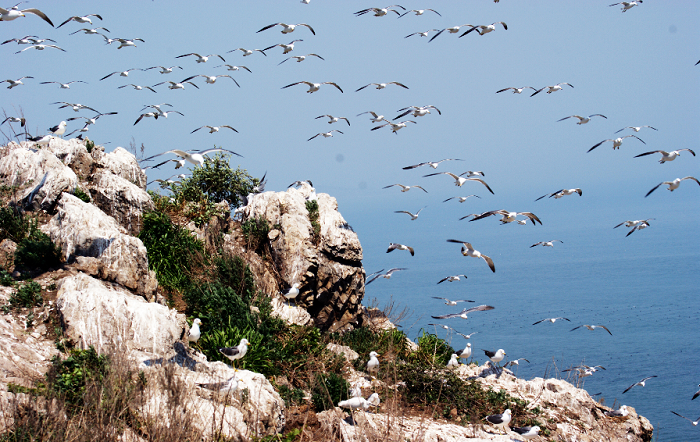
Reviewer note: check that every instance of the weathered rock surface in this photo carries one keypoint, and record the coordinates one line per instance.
(120, 199)
(330, 274)
(97, 245)
(73, 154)
(121, 163)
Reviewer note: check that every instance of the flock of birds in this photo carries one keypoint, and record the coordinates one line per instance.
(196, 157)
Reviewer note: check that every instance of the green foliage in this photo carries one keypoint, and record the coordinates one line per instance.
(365, 340)
(255, 231)
(289, 437)
(89, 145)
(256, 359)
(37, 251)
(291, 396)
(171, 249)
(68, 377)
(312, 208)
(27, 295)
(5, 278)
(13, 224)
(432, 351)
(220, 305)
(78, 192)
(327, 390)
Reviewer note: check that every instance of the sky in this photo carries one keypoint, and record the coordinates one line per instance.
(636, 68)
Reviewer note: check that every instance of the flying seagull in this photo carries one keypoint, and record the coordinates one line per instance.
(202, 58)
(92, 31)
(286, 29)
(287, 48)
(395, 126)
(515, 362)
(485, 29)
(552, 320)
(469, 336)
(178, 85)
(636, 128)
(592, 327)
(502, 420)
(124, 42)
(449, 301)
(40, 48)
(234, 68)
(332, 119)
(516, 90)
(328, 134)
(394, 246)
(433, 164)
(446, 327)
(451, 30)
(459, 180)
(694, 422)
(121, 73)
(63, 85)
(418, 111)
(382, 85)
(461, 198)
(405, 188)
(583, 120)
(313, 87)
(463, 314)
(420, 12)
(468, 250)
(412, 215)
(617, 142)
(375, 118)
(547, 243)
(672, 185)
(211, 79)
(247, 52)
(20, 120)
(556, 87)
(642, 224)
(452, 278)
(196, 158)
(155, 115)
(213, 129)
(386, 275)
(562, 192)
(300, 58)
(422, 34)
(80, 19)
(508, 217)
(15, 83)
(76, 106)
(236, 352)
(627, 5)
(630, 223)
(697, 393)
(641, 383)
(666, 156)
(380, 12)
(14, 12)
(27, 40)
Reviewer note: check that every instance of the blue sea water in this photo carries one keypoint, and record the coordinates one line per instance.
(644, 288)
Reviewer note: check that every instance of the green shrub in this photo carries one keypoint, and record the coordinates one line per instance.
(432, 351)
(312, 208)
(233, 272)
(68, 377)
(365, 340)
(6, 279)
(13, 224)
(37, 251)
(78, 192)
(291, 396)
(255, 231)
(27, 295)
(89, 145)
(328, 390)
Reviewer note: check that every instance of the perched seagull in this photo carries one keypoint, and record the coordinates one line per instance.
(380, 12)
(359, 402)
(556, 87)
(627, 5)
(332, 119)
(59, 129)
(373, 363)
(508, 217)
(15, 83)
(422, 34)
(468, 250)
(202, 58)
(419, 12)
(515, 362)
(163, 69)
(496, 356)
(461, 198)
(156, 115)
(313, 87)
(213, 129)
(375, 118)
(382, 85)
(449, 301)
(694, 422)
(641, 383)
(592, 327)
(300, 58)
(386, 275)
(452, 278)
(121, 73)
(672, 185)
(418, 111)
(196, 158)
(583, 120)
(463, 314)
(328, 134)
(20, 120)
(502, 420)
(286, 29)
(15, 12)
(552, 320)
(527, 433)
(40, 48)
(194, 333)
(234, 68)
(451, 30)
(469, 336)
(83, 19)
(293, 292)
(485, 29)
(467, 352)
(88, 31)
(41, 140)
(405, 188)
(287, 48)
(394, 246)
(560, 193)
(666, 156)
(617, 142)
(63, 85)
(236, 352)
(394, 126)
(621, 412)
(247, 52)
(138, 88)
(76, 106)
(459, 180)
(453, 362)
(636, 128)
(547, 243)
(413, 216)
(181, 85)
(516, 90)
(222, 388)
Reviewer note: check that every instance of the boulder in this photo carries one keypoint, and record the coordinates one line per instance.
(73, 154)
(121, 199)
(96, 244)
(121, 163)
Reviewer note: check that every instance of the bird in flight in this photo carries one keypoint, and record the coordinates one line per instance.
(382, 85)
(420, 12)
(380, 12)
(592, 327)
(547, 243)
(561, 193)
(452, 278)
(556, 87)
(328, 134)
(617, 142)
(313, 87)
(449, 301)
(80, 19)
(394, 246)
(300, 58)
(641, 383)
(463, 314)
(583, 120)
(461, 198)
(508, 217)
(433, 164)
(413, 216)
(468, 250)
(405, 188)
(516, 90)
(14, 12)
(332, 119)
(672, 185)
(286, 29)
(203, 58)
(213, 129)
(485, 29)
(386, 275)
(459, 180)
(694, 422)
(666, 156)
(552, 320)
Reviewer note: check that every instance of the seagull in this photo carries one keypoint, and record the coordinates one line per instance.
(123, 42)
(213, 129)
(448, 301)
(211, 79)
(697, 393)
(236, 352)
(394, 126)
(137, 87)
(556, 87)
(422, 34)
(76, 106)
(636, 128)
(382, 85)
(617, 142)
(463, 314)
(92, 31)
(630, 223)
(453, 362)
(583, 120)
(181, 85)
(373, 363)
(59, 129)
(63, 85)
(376, 118)
(508, 217)
(446, 327)
(552, 320)
(467, 352)
(196, 158)
(293, 292)
(515, 362)
(583, 371)
(156, 115)
(641, 383)
(163, 69)
(413, 216)
(527, 433)
(621, 412)
(561, 193)
(546, 243)
(300, 58)
(394, 246)
(313, 87)
(93, 120)
(40, 48)
(405, 188)
(328, 134)
(360, 402)
(15, 83)
(15, 12)
(451, 30)
(461, 198)
(666, 156)
(247, 52)
(517, 90)
(289, 47)
(419, 12)
(627, 5)
(287, 28)
(468, 250)
(83, 19)
(386, 275)
(194, 333)
(333, 119)
(202, 58)
(121, 73)
(27, 40)
(20, 120)
(672, 185)
(495, 357)
(485, 29)
(592, 327)
(418, 111)
(222, 388)
(380, 12)
(452, 278)
(469, 336)
(234, 68)
(299, 183)
(459, 180)
(41, 140)
(642, 225)
(500, 421)
(694, 422)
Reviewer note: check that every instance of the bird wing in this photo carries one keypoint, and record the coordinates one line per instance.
(652, 152)
(481, 181)
(269, 26)
(598, 145)
(653, 189)
(538, 91)
(398, 84)
(480, 308)
(532, 217)
(451, 315)
(419, 187)
(435, 36)
(337, 87)
(414, 166)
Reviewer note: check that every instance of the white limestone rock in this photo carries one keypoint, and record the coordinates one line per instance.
(121, 199)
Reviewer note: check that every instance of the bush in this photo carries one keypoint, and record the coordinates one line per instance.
(5, 278)
(13, 224)
(27, 295)
(365, 340)
(255, 231)
(67, 378)
(312, 208)
(432, 351)
(37, 251)
(328, 390)
(78, 192)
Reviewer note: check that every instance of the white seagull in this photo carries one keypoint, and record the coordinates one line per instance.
(375, 118)
(63, 85)
(552, 320)
(642, 225)
(666, 156)
(27, 40)
(697, 393)
(234, 68)
(694, 422)
(236, 352)
(583, 120)
(124, 42)
(641, 383)
(561, 193)
(15, 83)
(621, 412)
(469, 336)
(467, 352)
(155, 115)
(405, 188)
(420, 12)
(386, 275)
(222, 388)
(20, 120)
(617, 142)
(211, 79)
(328, 134)
(293, 292)
(213, 129)
(394, 126)
(359, 402)
(382, 85)
(592, 327)
(380, 12)
(286, 29)
(412, 215)
(453, 362)
(461, 198)
(468, 250)
(178, 85)
(463, 314)
(395, 246)
(451, 30)
(287, 48)
(59, 129)
(418, 111)
(300, 58)
(485, 29)
(138, 88)
(332, 119)
(672, 185)
(632, 223)
(313, 87)
(515, 362)
(449, 301)
(202, 58)
(556, 87)
(627, 5)
(14, 12)
(247, 52)
(92, 31)
(80, 19)
(496, 356)
(373, 363)
(163, 69)
(459, 180)
(516, 90)
(452, 278)
(76, 106)
(196, 158)
(93, 120)
(502, 420)
(527, 433)
(547, 243)
(121, 73)
(422, 34)
(636, 128)
(507, 217)
(41, 140)
(195, 333)
(40, 48)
